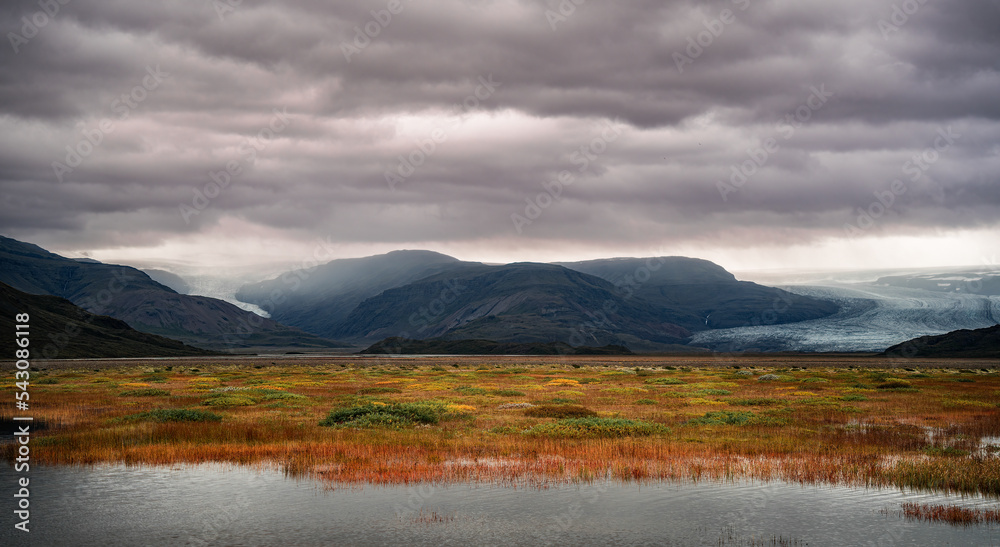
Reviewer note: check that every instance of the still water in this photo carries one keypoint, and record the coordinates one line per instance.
(224, 505)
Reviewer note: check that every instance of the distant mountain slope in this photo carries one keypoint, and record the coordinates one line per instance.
(699, 295)
(959, 343)
(58, 329)
(511, 303)
(174, 281)
(318, 301)
(130, 295)
(403, 346)
(961, 281)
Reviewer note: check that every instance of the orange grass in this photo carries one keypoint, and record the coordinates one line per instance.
(950, 514)
(822, 425)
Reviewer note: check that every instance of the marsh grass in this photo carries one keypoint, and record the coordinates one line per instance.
(385, 415)
(387, 424)
(559, 411)
(145, 392)
(596, 427)
(954, 515)
(174, 415)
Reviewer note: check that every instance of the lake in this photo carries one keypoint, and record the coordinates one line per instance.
(214, 504)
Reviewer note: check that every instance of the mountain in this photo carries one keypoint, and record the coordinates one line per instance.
(699, 295)
(319, 300)
(58, 329)
(403, 346)
(650, 303)
(132, 296)
(174, 281)
(521, 302)
(975, 281)
(959, 343)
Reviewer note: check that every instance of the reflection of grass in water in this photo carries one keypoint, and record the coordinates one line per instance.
(950, 513)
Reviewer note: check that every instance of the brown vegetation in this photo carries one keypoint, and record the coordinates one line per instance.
(813, 425)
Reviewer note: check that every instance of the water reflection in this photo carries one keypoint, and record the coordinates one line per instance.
(222, 505)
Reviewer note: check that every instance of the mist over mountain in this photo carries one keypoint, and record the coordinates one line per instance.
(130, 295)
(319, 300)
(163, 277)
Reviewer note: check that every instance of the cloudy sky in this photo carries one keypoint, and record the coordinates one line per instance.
(756, 133)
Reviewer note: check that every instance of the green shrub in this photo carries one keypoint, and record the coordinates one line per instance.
(175, 415)
(507, 393)
(893, 384)
(756, 401)
(146, 392)
(645, 402)
(854, 397)
(282, 396)
(377, 390)
(44, 381)
(230, 400)
(665, 381)
(596, 427)
(468, 390)
(723, 417)
(559, 411)
(385, 415)
(713, 392)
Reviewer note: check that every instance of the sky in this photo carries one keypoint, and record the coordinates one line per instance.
(252, 135)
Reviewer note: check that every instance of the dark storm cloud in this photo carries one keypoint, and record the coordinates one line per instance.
(899, 73)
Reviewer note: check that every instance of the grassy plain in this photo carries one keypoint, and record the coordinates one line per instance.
(814, 419)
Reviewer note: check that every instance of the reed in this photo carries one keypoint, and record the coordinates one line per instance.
(436, 422)
(959, 516)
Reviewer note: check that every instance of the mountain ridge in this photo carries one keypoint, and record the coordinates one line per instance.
(60, 329)
(130, 295)
(963, 343)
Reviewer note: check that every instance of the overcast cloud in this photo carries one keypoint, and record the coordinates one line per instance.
(494, 100)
